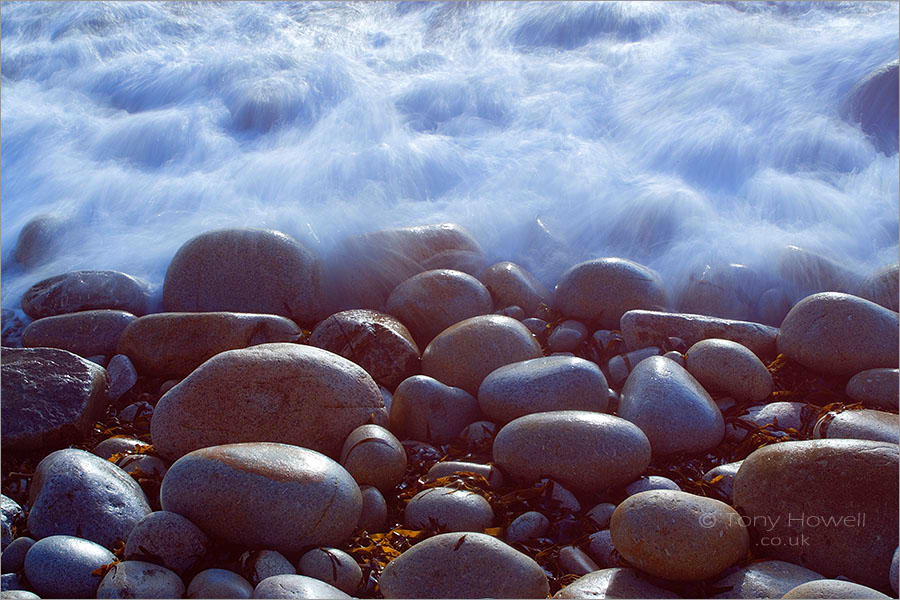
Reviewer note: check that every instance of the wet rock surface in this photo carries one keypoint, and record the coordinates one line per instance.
(86, 290)
(85, 333)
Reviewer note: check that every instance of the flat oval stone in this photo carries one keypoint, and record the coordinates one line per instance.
(833, 588)
(879, 388)
(465, 353)
(510, 285)
(271, 393)
(765, 579)
(245, 270)
(450, 509)
(840, 334)
(257, 565)
(49, 397)
(882, 287)
(808, 498)
(74, 492)
(376, 341)
(174, 344)
(671, 408)
(600, 291)
(584, 451)
(430, 302)
(264, 495)
(373, 456)
(729, 368)
(168, 539)
(296, 586)
(425, 409)
(541, 385)
(85, 333)
(219, 583)
(678, 536)
(865, 424)
(373, 517)
(463, 565)
(62, 566)
(86, 290)
(614, 583)
(334, 567)
(136, 579)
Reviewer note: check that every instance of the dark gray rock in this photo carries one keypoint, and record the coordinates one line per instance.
(879, 388)
(86, 290)
(168, 539)
(49, 397)
(62, 566)
(13, 557)
(122, 376)
(219, 583)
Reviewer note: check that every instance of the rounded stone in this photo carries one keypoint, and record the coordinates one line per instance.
(510, 284)
(274, 393)
(567, 336)
(650, 482)
(373, 456)
(765, 579)
(825, 479)
(168, 539)
(174, 344)
(721, 478)
(448, 467)
(373, 517)
(74, 492)
(463, 565)
(137, 579)
(264, 495)
(728, 291)
(257, 565)
(85, 333)
(118, 445)
(142, 465)
(726, 367)
(601, 514)
(425, 409)
(833, 588)
(376, 341)
(430, 302)
(840, 334)
(122, 377)
(527, 526)
(865, 424)
(38, 241)
(602, 550)
(465, 353)
(13, 557)
(448, 509)
(245, 270)
(678, 536)
(600, 291)
(296, 586)
(879, 388)
(671, 408)
(49, 397)
(777, 415)
(895, 570)
(882, 287)
(573, 560)
(541, 385)
(478, 432)
(219, 583)
(535, 326)
(585, 451)
(334, 567)
(62, 566)
(614, 583)
(19, 594)
(10, 511)
(86, 290)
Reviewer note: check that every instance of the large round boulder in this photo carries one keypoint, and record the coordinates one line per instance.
(600, 291)
(264, 495)
(245, 270)
(270, 393)
(464, 354)
(827, 505)
(840, 334)
(463, 565)
(585, 451)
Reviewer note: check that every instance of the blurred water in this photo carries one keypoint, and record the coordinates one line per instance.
(672, 133)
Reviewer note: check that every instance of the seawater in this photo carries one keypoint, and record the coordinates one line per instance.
(677, 134)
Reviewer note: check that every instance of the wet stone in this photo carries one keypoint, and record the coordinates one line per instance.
(85, 333)
(567, 336)
(442, 469)
(601, 514)
(514, 312)
(535, 326)
(334, 567)
(373, 456)
(573, 560)
(62, 566)
(510, 284)
(13, 557)
(257, 565)
(117, 445)
(219, 583)
(86, 290)
(729, 368)
(650, 482)
(296, 586)
(135, 411)
(621, 366)
(786, 414)
(881, 287)
(865, 424)
(122, 376)
(136, 579)
(878, 388)
(614, 583)
(765, 579)
(147, 465)
(450, 509)
(722, 478)
(527, 526)
(427, 410)
(168, 539)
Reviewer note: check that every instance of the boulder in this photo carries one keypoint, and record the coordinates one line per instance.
(727, 367)
(296, 586)
(63, 566)
(671, 408)
(872, 104)
(464, 354)
(334, 567)
(463, 565)
(840, 334)
(875, 387)
(270, 393)
(174, 344)
(85, 333)
(882, 287)
(373, 456)
(448, 509)
(585, 451)
(264, 495)
(614, 583)
(865, 424)
(833, 588)
(86, 290)
(765, 579)
(136, 579)
(376, 341)
(808, 498)
(245, 270)
(600, 291)
(168, 539)
(541, 385)
(511, 285)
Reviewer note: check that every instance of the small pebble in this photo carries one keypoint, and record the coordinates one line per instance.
(442, 469)
(606, 339)
(478, 432)
(514, 311)
(451, 509)
(374, 456)
(13, 557)
(621, 366)
(527, 526)
(878, 388)
(602, 549)
(567, 336)
(535, 326)
(122, 376)
(136, 410)
(787, 414)
(136, 579)
(573, 560)
(146, 464)
(334, 567)
(725, 485)
(651, 482)
(257, 565)
(563, 498)
(165, 386)
(168, 539)
(296, 586)
(601, 514)
(675, 356)
(219, 583)
(373, 517)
